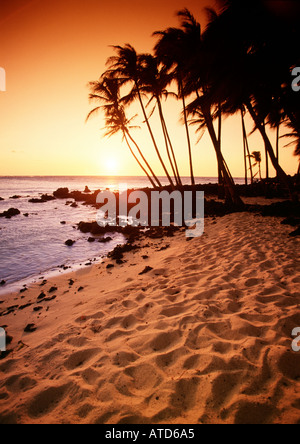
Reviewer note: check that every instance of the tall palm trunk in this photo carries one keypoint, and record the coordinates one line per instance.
(266, 153)
(144, 159)
(126, 134)
(163, 125)
(152, 136)
(180, 88)
(230, 189)
(173, 154)
(246, 150)
(260, 126)
(220, 178)
(277, 142)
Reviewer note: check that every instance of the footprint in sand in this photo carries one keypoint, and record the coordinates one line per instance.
(47, 400)
(78, 359)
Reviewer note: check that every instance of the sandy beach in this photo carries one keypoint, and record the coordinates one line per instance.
(202, 335)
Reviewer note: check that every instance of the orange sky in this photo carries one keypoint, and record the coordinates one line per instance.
(50, 50)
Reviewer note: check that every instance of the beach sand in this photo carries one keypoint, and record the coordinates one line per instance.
(203, 337)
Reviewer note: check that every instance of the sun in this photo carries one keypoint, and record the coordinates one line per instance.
(111, 166)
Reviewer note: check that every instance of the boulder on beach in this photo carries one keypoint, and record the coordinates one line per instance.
(87, 190)
(2, 283)
(62, 193)
(30, 328)
(10, 213)
(44, 198)
(69, 243)
(105, 240)
(1, 198)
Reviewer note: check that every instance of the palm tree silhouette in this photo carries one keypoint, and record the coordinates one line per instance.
(197, 83)
(107, 92)
(154, 81)
(174, 49)
(247, 154)
(126, 67)
(256, 155)
(246, 71)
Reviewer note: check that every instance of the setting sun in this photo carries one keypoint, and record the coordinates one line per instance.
(111, 166)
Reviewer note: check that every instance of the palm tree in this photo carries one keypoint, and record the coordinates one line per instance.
(107, 92)
(246, 150)
(126, 67)
(174, 49)
(242, 65)
(256, 155)
(154, 81)
(196, 83)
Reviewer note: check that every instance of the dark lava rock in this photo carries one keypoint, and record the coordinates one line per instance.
(63, 222)
(62, 193)
(91, 239)
(10, 213)
(74, 205)
(1, 198)
(38, 308)
(282, 209)
(87, 190)
(43, 199)
(295, 233)
(30, 328)
(71, 282)
(26, 215)
(146, 270)
(22, 307)
(50, 298)
(292, 221)
(69, 243)
(105, 240)
(52, 289)
(2, 283)
(23, 290)
(110, 266)
(118, 252)
(41, 296)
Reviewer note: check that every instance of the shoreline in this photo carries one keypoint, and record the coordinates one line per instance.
(194, 331)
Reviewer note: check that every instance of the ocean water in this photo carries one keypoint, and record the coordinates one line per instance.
(34, 246)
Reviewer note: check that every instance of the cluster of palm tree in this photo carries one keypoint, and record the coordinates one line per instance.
(241, 63)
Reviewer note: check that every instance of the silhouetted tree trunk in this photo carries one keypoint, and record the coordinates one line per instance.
(152, 137)
(230, 189)
(187, 131)
(126, 134)
(246, 151)
(260, 126)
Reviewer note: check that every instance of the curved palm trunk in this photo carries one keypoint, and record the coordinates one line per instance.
(163, 125)
(221, 189)
(126, 133)
(266, 153)
(277, 142)
(281, 173)
(145, 160)
(152, 136)
(180, 88)
(177, 174)
(178, 178)
(246, 149)
(230, 189)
